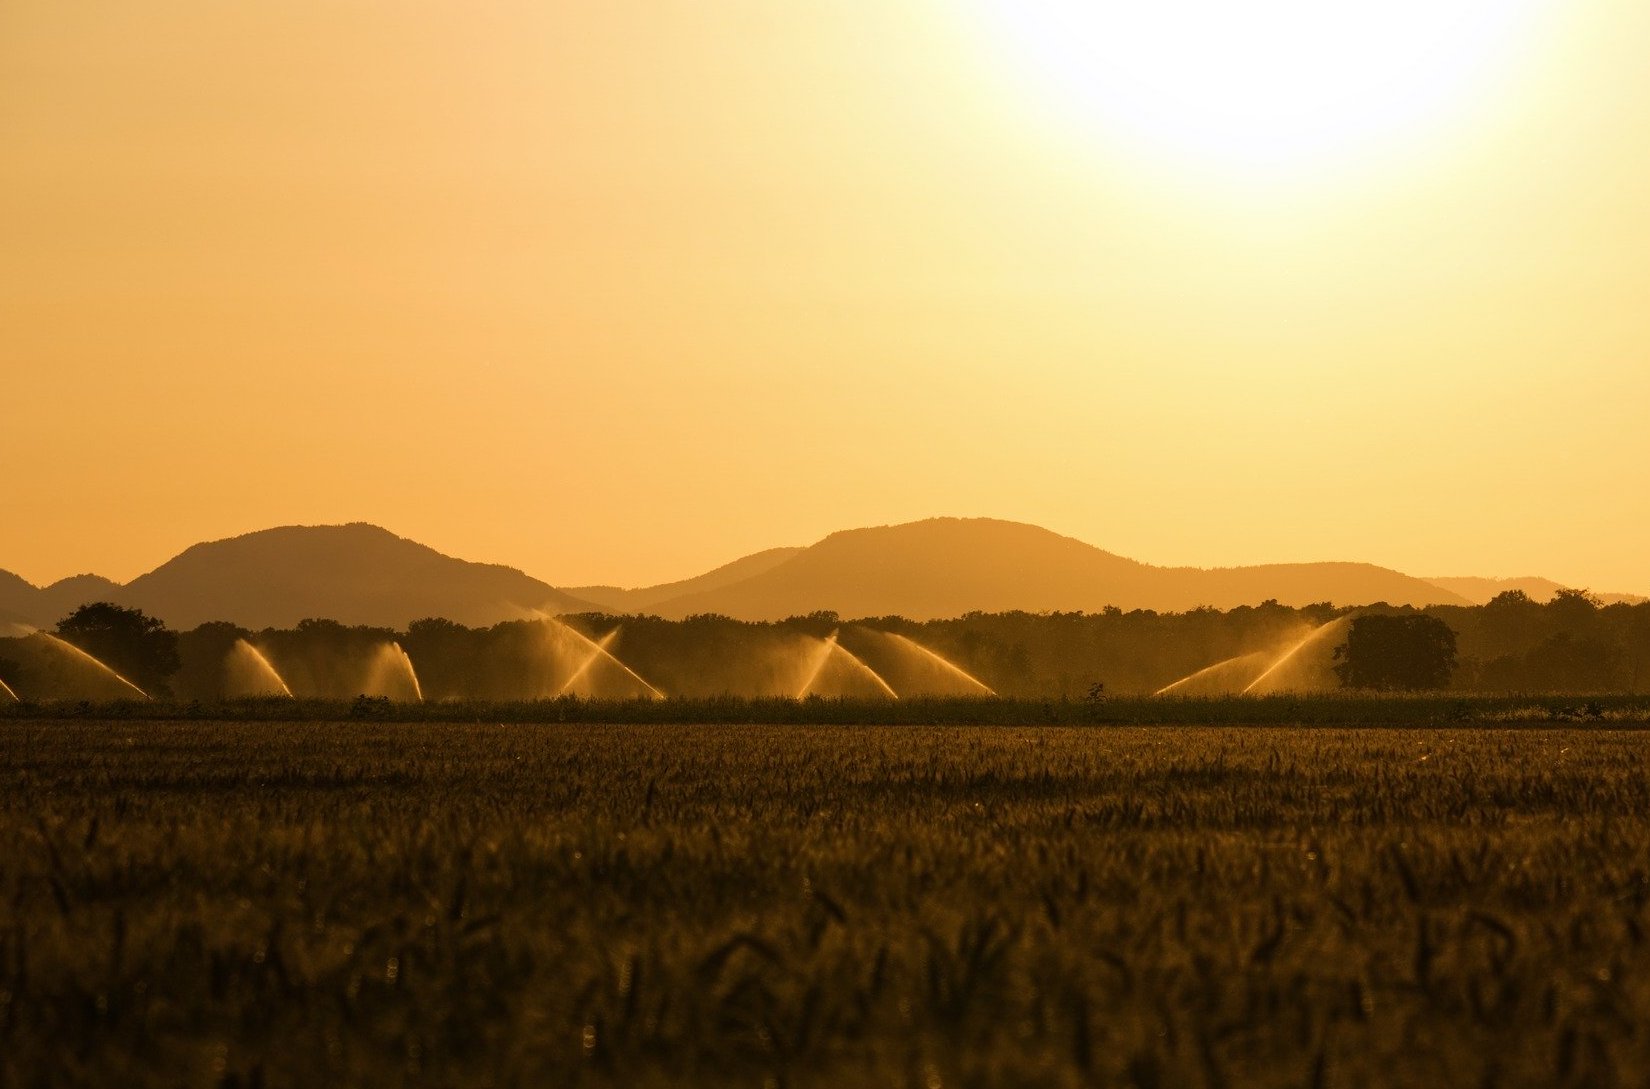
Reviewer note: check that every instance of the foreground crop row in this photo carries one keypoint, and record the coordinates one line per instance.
(211, 903)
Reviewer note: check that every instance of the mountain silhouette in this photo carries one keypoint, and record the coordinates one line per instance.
(42, 606)
(355, 574)
(18, 599)
(946, 567)
(645, 598)
(1479, 591)
(940, 567)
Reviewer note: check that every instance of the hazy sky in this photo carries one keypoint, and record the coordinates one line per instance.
(620, 290)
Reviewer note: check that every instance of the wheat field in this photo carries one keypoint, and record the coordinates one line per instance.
(383, 904)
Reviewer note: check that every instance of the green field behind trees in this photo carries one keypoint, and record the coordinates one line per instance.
(372, 903)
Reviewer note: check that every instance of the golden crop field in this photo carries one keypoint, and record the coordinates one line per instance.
(376, 904)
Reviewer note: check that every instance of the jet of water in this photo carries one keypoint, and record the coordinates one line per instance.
(589, 660)
(1313, 636)
(412, 674)
(599, 650)
(831, 646)
(391, 671)
(245, 655)
(5, 689)
(80, 655)
(950, 667)
(1193, 678)
(821, 656)
(856, 661)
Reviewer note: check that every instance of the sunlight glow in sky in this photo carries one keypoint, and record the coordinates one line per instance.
(1262, 86)
(617, 292)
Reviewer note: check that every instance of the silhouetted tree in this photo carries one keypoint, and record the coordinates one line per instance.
(139, 647)
(322, 657)
(818, 624)
(1397, 653)
(447, 656)
(1572, 608)
(205, 651)
(1568, 663)
(1637, 625)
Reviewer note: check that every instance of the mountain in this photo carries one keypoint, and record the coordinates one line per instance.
(22, 602)
(949, 566)
(355, 574)
(66, 595)
(18, 599)
(1479, 591)
(644, 599)
(941, 567)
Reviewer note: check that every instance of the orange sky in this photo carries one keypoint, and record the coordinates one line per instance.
(620, 291)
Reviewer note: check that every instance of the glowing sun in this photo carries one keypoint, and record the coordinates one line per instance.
(1262, 84)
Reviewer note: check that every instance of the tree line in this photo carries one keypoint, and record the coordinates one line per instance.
(1513, 644)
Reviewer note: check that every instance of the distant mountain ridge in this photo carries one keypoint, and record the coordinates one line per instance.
(355, 574)
(41, 606)
(644, 598)
(935, 568)
(1479, 590)
(943, 567)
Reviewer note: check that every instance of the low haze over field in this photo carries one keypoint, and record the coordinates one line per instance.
(619, 292)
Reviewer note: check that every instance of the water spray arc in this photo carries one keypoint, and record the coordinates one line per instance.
(949, 666)
(821, 656)
(1294, 652)
(80, 655)
(412, 674)
(245, 653)
(5, 690)
(590, 659)
(600, 651)
(831, 646)
(390, 669)
(1206, 671)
